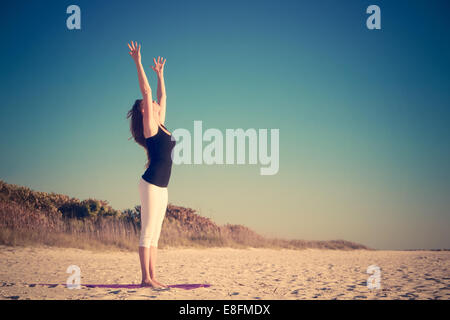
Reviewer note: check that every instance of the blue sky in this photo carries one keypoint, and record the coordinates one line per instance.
(363, 114)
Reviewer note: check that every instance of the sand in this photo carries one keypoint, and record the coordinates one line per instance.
(231, 273)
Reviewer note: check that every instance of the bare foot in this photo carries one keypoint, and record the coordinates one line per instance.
(160, 284)
(150, 283)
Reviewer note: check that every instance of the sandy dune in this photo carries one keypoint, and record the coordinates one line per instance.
(232, 274)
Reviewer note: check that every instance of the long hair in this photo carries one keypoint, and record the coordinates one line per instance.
(137, 127)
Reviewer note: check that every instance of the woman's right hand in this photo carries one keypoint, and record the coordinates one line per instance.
(135, 51)
(159, 66)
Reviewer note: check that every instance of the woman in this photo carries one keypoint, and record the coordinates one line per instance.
(148, 130)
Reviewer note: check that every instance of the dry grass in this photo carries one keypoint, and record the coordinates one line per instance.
(29, 218)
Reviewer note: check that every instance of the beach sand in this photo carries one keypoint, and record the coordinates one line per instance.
(231, 273)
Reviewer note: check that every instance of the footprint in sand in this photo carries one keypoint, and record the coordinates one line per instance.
(409, 295)
(115, 292)
(6, 284)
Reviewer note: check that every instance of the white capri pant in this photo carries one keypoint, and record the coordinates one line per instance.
(153, 209)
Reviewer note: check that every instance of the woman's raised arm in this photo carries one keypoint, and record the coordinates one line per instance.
(161, 90)
(150, 126)
(135, 53)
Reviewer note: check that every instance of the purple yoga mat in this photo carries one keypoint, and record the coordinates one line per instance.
(132, 286)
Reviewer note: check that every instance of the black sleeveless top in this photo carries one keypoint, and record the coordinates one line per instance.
(160, 149)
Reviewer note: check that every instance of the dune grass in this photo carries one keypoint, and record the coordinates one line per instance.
(29, 218)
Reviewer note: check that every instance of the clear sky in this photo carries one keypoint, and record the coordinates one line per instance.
(363, 114)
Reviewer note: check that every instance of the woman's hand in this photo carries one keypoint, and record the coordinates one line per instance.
(159, 66)
(135, 51)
